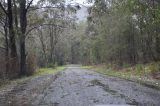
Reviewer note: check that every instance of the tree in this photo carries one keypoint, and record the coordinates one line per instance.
(124, 32)
(23, 25)
(12, 40)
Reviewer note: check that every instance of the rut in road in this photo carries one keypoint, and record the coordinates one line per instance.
(79, 87)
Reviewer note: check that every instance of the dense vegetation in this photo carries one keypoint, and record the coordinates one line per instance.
(32, 34)
(123, 32)
(46, 33)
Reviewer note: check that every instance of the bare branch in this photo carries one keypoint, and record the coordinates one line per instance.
(29, 4)
(35, 27)
(1, 6)
(2, 32)
(38, 8)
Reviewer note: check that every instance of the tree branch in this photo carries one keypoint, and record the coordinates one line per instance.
(29, 4)
(38, 8)
(1, 6)
(35, 27)
(2, 47)
(1, 32)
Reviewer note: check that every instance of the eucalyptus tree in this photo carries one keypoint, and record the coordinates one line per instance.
(124, 31)
(6, 8)
(51, 19)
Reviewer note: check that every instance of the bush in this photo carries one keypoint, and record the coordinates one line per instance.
(52, 65)
(9, 68)
(31, 64)
(155, 67)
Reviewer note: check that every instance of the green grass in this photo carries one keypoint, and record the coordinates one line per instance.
(4, 82)
(87, 67)
(42, 71)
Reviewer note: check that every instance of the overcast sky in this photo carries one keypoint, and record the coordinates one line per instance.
(78, 1)
(84, 2)
(82, 13)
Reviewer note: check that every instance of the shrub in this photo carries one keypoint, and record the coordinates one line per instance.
(31, 64)
(52, 65)
(155, 67)
(9, 68)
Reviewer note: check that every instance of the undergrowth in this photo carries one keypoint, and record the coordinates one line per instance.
(139, 72)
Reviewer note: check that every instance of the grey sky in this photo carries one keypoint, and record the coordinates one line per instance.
(82, 13)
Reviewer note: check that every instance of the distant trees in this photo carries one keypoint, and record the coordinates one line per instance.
(25, 27)
(53, 29)
(124, 31)
(117, 31)
(10, 37)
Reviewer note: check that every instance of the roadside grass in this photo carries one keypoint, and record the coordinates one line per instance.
(43, 71)
(4, 82)
(142, 73)
(87, 67)
(40, 71)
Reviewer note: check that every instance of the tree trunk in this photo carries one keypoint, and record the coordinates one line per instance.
(12, 42)
(7, 48)
(51, 44)
(157, 47)
(43, 46)
(23, 24)
(11, 31)
(15, 16)
(156, 32)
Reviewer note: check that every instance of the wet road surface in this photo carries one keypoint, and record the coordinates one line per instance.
(79, 87)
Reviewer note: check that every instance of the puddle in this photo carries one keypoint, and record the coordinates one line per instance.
(113, 92)
(104, 87)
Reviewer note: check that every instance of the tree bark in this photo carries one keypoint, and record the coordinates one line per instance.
(157, 47)
(15, 16)
(23, 25)
(12, 43)
(6, 47)
(43, 46)
(51, 43)
(11, 31)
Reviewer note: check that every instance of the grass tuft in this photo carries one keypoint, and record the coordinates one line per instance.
(141, 72)
(42, 71)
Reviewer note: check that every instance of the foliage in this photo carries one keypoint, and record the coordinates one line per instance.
(123, 32)
(140, 72)
(28, 27)
(31, 64)
(118, 32)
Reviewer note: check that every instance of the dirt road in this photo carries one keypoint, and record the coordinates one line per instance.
(78, 87)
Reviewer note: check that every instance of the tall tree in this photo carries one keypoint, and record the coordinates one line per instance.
(23, 25)
(7, 10)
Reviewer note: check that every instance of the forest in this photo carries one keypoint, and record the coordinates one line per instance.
(47, 33)
(124, 31)
(79, 52)
(32, 34)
